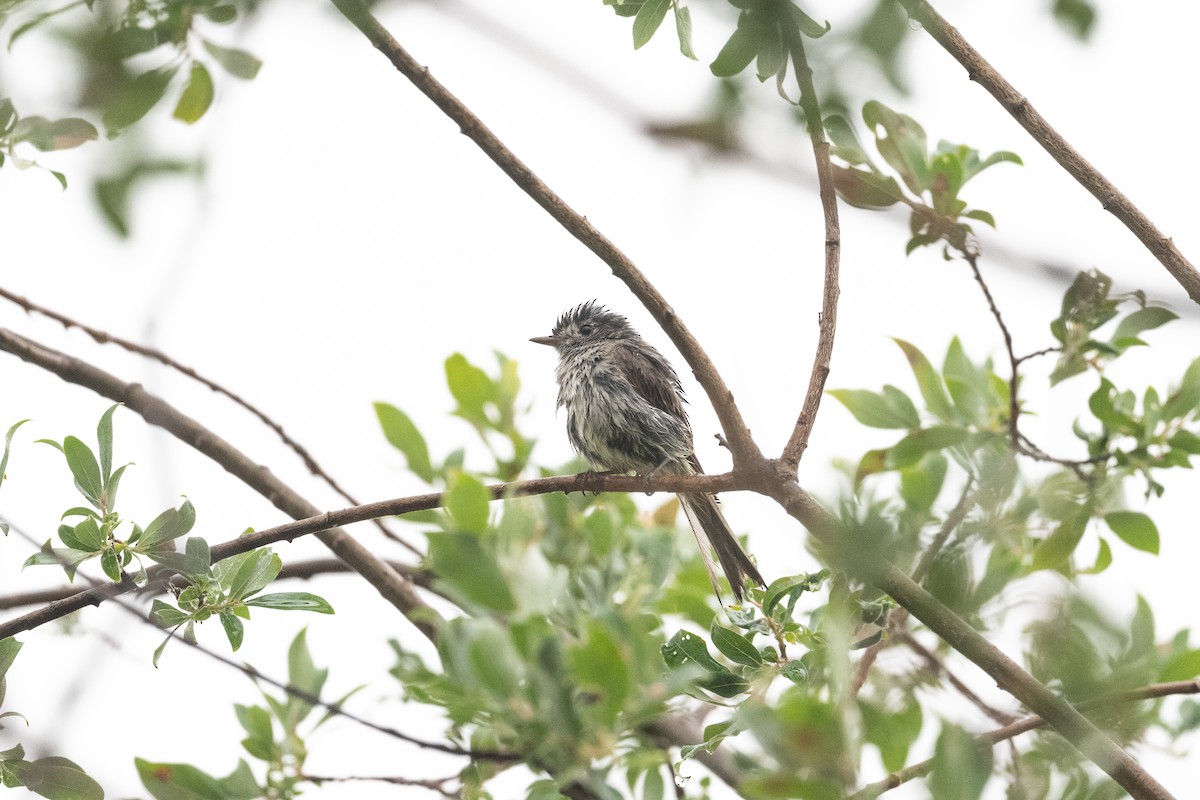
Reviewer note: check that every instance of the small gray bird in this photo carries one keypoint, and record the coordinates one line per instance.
(625, 414)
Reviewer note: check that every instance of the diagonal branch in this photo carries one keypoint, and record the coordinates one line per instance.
(1015, 729)
(103, 337)
(1009, 675)
(741, 444)
(156, 411)
(1111, 198)
(798, 442)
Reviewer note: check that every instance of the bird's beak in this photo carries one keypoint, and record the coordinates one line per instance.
(547, 340)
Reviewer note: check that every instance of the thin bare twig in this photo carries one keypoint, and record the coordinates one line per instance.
(742, 445)
(103, 337)
(1012, 730)
(1016, 104)
(432, 784)
(797, 443)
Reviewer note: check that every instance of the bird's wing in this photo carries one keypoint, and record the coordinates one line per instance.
(653, 379)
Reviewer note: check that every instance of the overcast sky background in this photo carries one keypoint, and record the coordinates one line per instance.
(347, 239)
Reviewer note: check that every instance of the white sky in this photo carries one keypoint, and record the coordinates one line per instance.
(347, 240)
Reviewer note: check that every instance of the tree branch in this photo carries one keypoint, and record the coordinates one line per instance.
(741, 444)
(103, 337)
(1111, 199)
(1012, 730)
(394, 588)
(1009, 676)
(798, 442)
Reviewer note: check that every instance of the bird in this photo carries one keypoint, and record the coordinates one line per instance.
(625, 413)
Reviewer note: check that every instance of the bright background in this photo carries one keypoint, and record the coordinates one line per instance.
(347, 239)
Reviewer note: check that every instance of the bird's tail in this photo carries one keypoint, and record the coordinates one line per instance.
(706, 518)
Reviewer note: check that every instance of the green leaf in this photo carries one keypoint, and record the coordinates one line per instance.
(649, 17)
(741, 48)
(725, 684)
(460, 560)
(248, 573)
(921, 483)
(1056, 548)
(1184, 399)
(165, 615)
(1135, 529)
(981, 215)
(807, 25)
(683, 29)
(1143, 319)
(1103, 559)
(60, 134)
(234, 630)
(110, 491)
(63, 779)
(177, 781)
(104, 438)
(901, 142)
(402, 434)
(8, 437)
(892, 409)
(735, 647)
(961, 766)
(1181, 667)
(197, 96)
(292, 601)
(598, 665)
(8, 654)
(912, 448)
(84, 468)
(108, 563)
(236, 62)
(893, 732)
(863, 188)
(467, 501)
(168, 526)
(133, 100)
(933, 391)
(686, 645)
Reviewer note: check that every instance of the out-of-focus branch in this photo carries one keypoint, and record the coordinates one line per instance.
(798, 441)
(1016, 104)
(1012, 730)
(737, 434)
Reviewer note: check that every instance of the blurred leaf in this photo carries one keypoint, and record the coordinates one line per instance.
(901, 142)
(236, 62)
(8, 654)
(402, 434)
(60, 134)
(741, 48)
(467, 501)
(863, 188)
(599, 665)
(914, 446)
(1144, 319)
(921, 483)
(1061, 543)
(197, 96)
(63, 779)
(8, 437)
(893, 732)
(1181, 667)
(892, 409)
(1077, 16)
(460, 560)
(1184, 399)
(471, 387)
(134, 99)
(178, 781)
(1135, 529)
(933, 391)
(961, 766)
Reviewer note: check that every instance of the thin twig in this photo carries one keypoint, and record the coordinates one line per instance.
(797, 443)
(1011, 731)
(156, 411)
(432, 784)
(320, 523)
(1016, 104)
(742, 445)
(103, 337)
(938, 667)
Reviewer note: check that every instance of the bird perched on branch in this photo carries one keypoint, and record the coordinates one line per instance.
(625, 413)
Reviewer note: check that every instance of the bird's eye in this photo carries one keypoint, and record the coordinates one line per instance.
(586, 329)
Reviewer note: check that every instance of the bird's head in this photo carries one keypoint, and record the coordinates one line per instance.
(585, 324)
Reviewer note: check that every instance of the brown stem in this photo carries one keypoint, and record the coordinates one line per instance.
(1016, 104)
(741, 444)
(797, 443)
